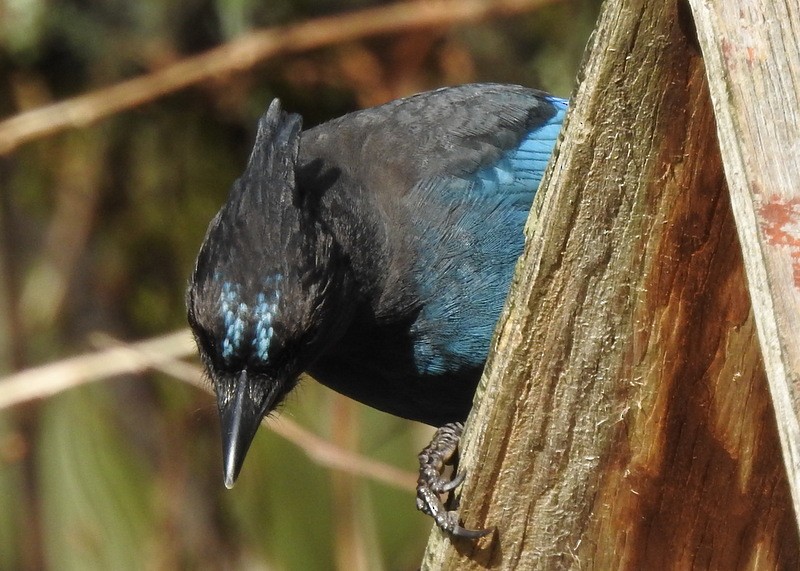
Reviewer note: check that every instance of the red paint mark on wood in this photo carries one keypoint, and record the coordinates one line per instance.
(780, 222)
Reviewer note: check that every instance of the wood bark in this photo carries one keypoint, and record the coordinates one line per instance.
(623, 420)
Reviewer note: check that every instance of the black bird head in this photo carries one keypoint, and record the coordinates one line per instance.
(263, 288)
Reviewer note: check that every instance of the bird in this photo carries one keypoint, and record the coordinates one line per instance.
(373, 252)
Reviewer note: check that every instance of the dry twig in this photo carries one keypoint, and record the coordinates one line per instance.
(246, 52)
(47, 380)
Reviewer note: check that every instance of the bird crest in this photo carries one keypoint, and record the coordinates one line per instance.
(236, 287)
(264, 246)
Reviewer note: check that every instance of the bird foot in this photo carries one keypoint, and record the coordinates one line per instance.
(432, 483)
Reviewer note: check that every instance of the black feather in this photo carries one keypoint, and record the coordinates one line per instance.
(373, 251)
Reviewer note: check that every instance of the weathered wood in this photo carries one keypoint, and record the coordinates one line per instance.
(624, 420)
(752, 53)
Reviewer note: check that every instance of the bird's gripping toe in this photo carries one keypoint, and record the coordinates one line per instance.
(432, 483)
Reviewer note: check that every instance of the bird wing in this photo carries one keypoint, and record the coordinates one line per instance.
(453, 172)
(469, 235)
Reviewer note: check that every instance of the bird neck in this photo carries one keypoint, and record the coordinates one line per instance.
(348, 213)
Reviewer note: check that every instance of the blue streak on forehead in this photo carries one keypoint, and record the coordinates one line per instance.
(256, 319)
(263, 314)
(234, 313)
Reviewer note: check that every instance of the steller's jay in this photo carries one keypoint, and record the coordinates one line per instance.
(374, 252)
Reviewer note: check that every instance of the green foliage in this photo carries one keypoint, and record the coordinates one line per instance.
(96, 495)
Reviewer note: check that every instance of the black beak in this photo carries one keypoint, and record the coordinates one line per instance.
(239, 417)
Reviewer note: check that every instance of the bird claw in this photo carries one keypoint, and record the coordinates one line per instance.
(454, 483)
(432, 483)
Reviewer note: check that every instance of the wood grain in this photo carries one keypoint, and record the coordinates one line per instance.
(752, 52)
(624, 420)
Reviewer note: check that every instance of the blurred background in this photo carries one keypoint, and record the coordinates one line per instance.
(99, 227)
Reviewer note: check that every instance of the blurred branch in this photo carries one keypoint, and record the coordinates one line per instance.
(163, 354)
(12, 329)
(45, 287)
(350, 535)
(46, 380)
(326, 454)
(246, 52)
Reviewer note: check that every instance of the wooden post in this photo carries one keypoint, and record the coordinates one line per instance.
(752, 54)
(624, 421)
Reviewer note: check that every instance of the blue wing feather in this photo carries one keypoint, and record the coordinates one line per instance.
(466, 273)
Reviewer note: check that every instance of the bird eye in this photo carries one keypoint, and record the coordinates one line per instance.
(204, 343)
